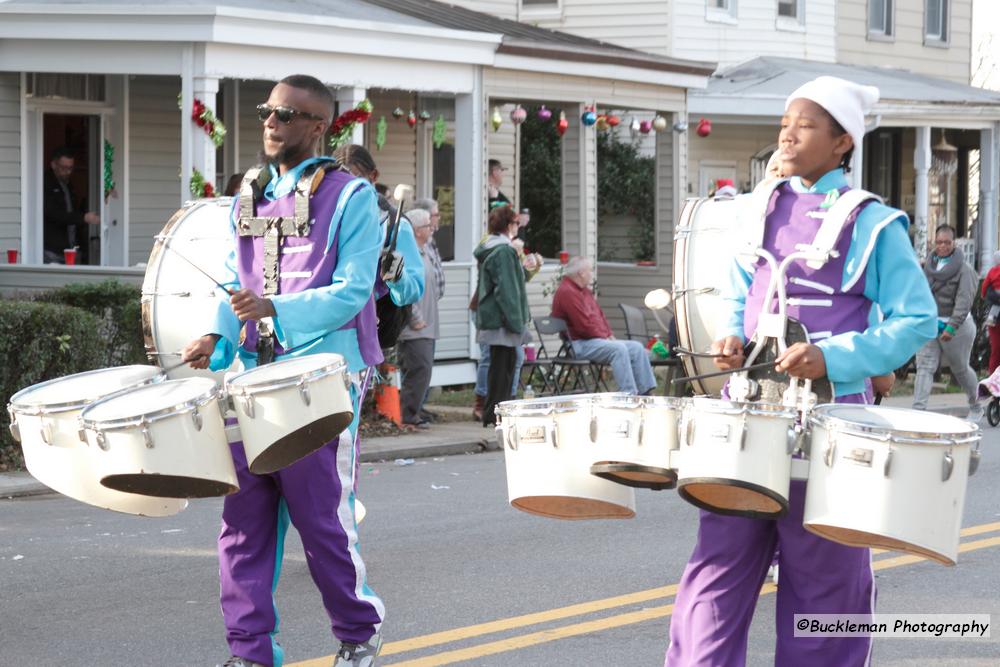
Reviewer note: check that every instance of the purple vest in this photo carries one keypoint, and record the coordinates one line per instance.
(304, 262)
(815, 295)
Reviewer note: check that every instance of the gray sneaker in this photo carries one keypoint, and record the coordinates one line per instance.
(236, 661)
(358, 655)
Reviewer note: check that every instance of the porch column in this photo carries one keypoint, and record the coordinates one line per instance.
(989, 172)
(231, 149)
(187, 99)
(922, 167)
(348, 98)
(206, 89)
(579, 185)
(470, 169)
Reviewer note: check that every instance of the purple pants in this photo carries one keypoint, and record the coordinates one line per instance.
(319, 498)
(720, 585)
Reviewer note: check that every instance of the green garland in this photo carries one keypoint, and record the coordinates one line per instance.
(109, 175)
(200, 188)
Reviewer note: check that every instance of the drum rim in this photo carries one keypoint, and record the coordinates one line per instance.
(819, 417)
(536, 407)
(337, 363)
(200, 400)
(57, 408)
(724, 406)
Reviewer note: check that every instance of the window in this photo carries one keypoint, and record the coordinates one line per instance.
(789, 9)
(82, 87)
(723, 11)
(936, 21)
(880, 18)
(540, 4)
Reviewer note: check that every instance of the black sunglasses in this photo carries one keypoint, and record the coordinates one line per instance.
(284, 114)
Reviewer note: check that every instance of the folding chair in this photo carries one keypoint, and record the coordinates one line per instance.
(580, 375)
(635, 329)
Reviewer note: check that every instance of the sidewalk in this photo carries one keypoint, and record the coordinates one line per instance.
(449, 438)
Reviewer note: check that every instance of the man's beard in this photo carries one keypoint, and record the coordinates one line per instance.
(287, 153)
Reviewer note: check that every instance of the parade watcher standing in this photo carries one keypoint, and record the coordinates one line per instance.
(823, 121)
(331, 310)
(63, 224)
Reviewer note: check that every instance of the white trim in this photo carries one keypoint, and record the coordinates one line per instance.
(295, 249)
(868, 250)
(296, 274)
(818, 303)
(187, 138)
(820, 335)
(25, 207)
(820, 287)
(126, 174)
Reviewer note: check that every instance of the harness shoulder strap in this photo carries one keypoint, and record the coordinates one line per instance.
(833, 223)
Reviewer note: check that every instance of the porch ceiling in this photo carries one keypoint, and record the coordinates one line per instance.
(760, 86)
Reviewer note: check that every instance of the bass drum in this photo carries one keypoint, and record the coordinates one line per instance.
(707, 239)
(178, 301)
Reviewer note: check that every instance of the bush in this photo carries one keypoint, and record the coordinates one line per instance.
(119, 309)
(41, 341)
(626, 185)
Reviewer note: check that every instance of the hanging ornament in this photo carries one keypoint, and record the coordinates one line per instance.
(614, 121)
(645, 126)
(424, 116)
(109, 174)
(680, 127)
(496, 120)
(411, 119)
(440, 131)
(381, 128)
(588, 117)
(343, 127)
(602, 123)
(634, 127)
(398, 113)
(563, 124)
(544, 114)
(518, 115)
(659, 123)
(704, 127)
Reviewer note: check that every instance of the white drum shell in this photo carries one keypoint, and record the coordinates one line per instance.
(631, 430)
(64, 463)
(267, 414)
(548, 453)
(720, 441)
(706, 241)
(850, 499)
(180, 454)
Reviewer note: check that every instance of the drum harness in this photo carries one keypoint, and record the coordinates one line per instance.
(273, 229)
(774, 329)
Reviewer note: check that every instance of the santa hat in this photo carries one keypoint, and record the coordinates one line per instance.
(724, 187)
(846, 101)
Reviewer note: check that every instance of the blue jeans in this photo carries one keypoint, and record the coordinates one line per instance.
(628, 359)
(484, 367)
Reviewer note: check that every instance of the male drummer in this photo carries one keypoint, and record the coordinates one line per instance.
(317, 299)
(824, 120)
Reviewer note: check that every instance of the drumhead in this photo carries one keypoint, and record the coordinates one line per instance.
(706, 241)
(278, 371)
(545, 406)
(76, 391)
(179, 302)
(722, 406)
(877, 419)
(154, 399)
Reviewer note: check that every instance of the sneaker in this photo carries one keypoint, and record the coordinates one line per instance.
(358, 655)
(236, 661)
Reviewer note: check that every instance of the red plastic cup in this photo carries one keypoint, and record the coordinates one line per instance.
(69, 254)
(12, 256)
(563, 257)
(529, 352)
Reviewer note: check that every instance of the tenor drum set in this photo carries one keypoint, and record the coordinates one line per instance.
(876, 476)
(144, 439)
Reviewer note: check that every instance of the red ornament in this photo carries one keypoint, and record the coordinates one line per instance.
(614, 121)
(209, 190)
(704, 127)
(563, 124)
(411, 119)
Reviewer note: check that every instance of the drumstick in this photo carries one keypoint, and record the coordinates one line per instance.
(703, 376)
(691, 353)
(183, 363)
(200, 270)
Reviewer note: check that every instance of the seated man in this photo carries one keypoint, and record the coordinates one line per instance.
(591, 336)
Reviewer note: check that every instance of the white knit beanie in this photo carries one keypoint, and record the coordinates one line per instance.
(846, 101)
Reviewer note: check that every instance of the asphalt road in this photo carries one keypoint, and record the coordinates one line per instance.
(85, 587)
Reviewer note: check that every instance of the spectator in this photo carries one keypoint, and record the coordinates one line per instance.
(493, 183)
(502, 308)
(991, 292)
(953, 284)
(415, 349)
(431, 206)
(233, 185)
(591, 336)
(63, 225)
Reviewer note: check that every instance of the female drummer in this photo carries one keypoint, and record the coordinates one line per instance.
(824, 120)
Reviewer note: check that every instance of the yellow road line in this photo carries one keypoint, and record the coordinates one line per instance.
(468, 632)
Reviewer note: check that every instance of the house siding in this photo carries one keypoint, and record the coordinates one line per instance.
(641, 24)
(729, 143)
(754, 32)
(907, 50)
(505, 9)
(397, 160)
(10, 160)
(154, 159)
